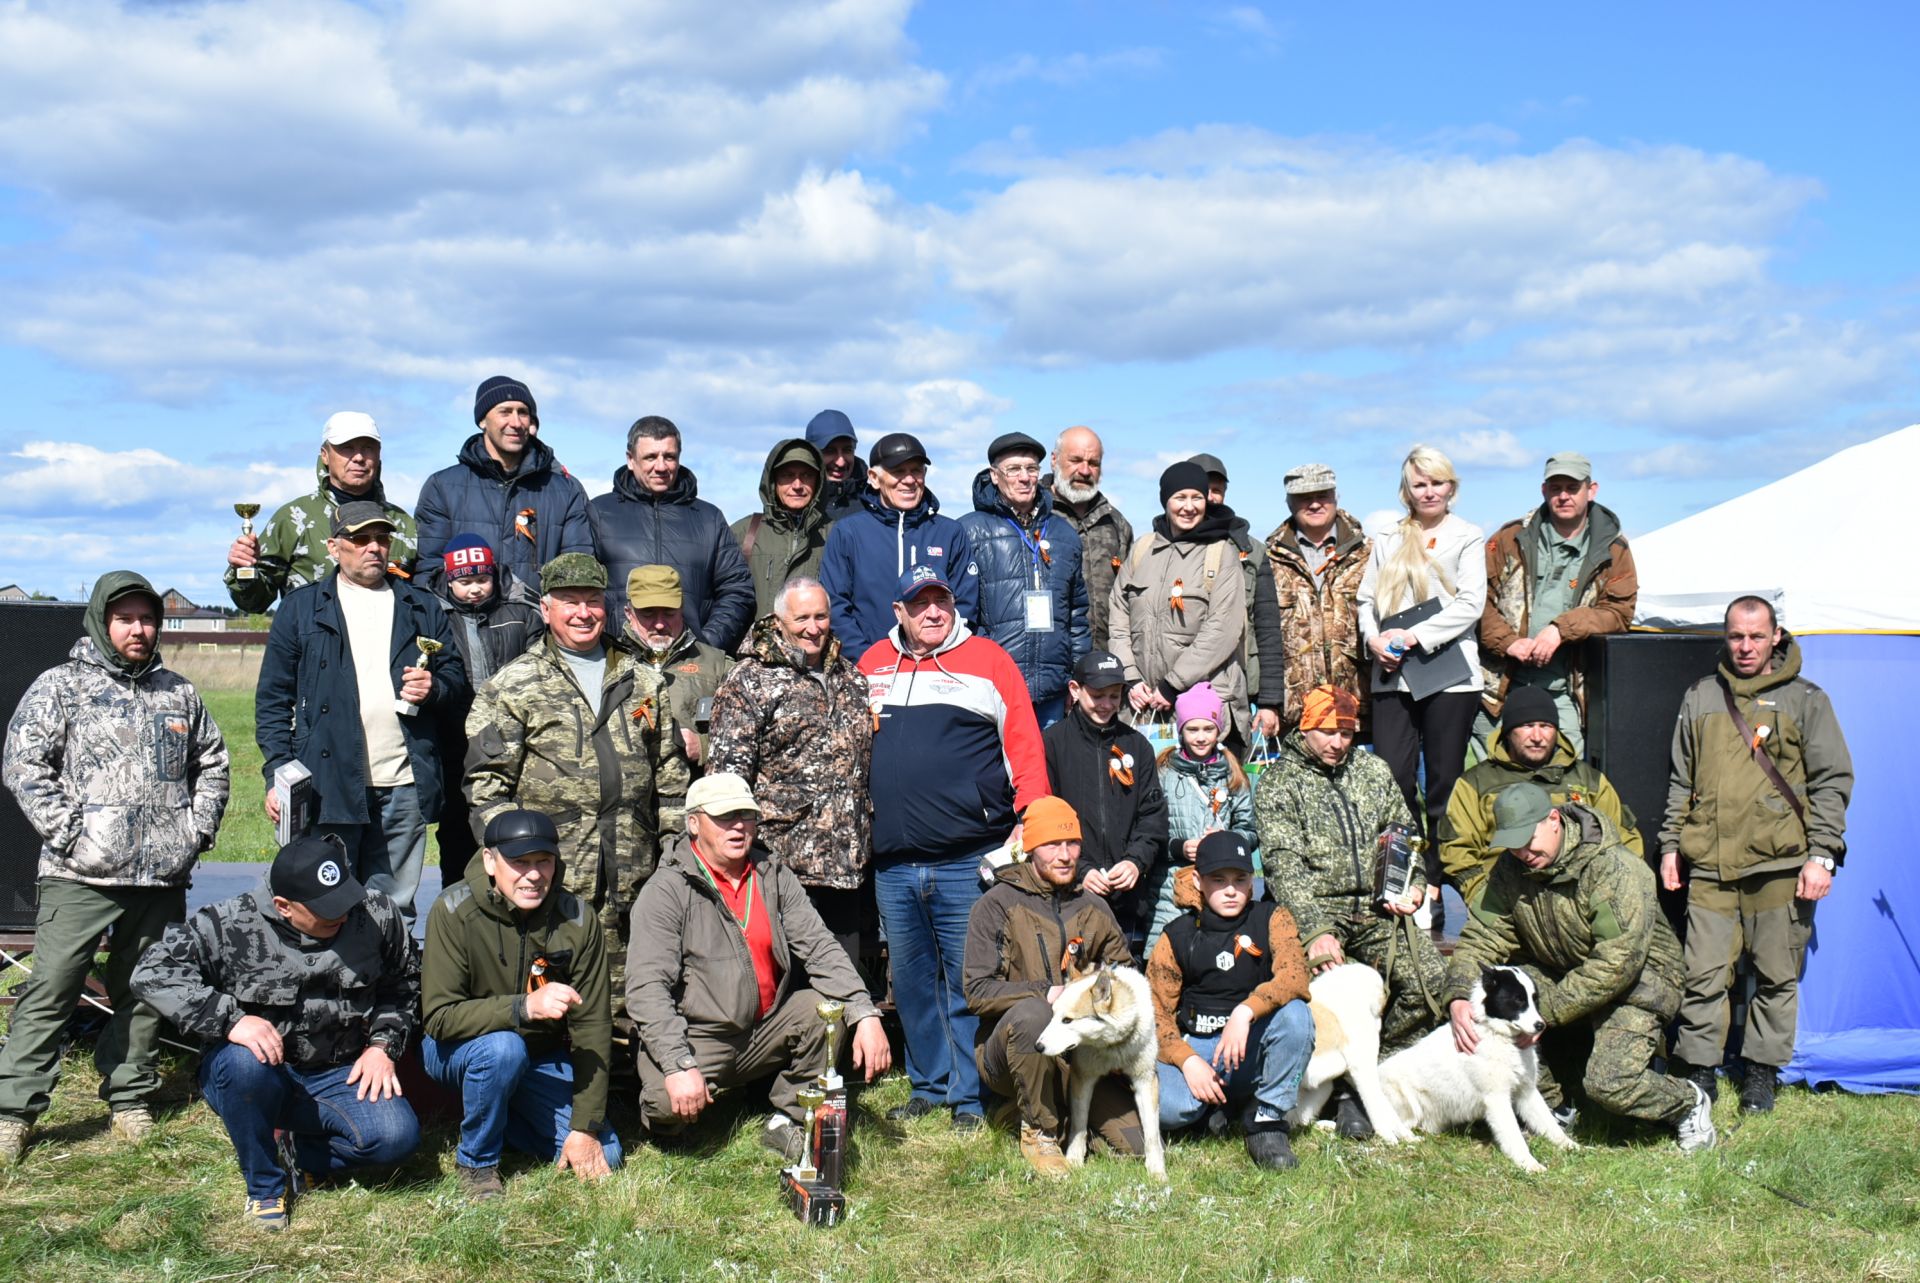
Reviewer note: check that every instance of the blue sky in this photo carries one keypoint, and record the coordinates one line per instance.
(1678, 237)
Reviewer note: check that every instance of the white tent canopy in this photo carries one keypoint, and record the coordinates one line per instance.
(1827, 545)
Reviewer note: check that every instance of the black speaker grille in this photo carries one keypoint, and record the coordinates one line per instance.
(34, 636)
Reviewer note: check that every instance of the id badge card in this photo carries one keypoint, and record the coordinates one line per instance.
(1039, 611)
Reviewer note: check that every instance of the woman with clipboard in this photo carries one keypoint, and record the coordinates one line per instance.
(1420, 603)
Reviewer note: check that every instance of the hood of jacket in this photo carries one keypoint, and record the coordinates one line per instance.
(684, 490)
(1218, 523)
(959, 634)
(113, 584)
(770, 646)
(793, 450)
(987, 498)
(1784, 668)
(537, 460)
(1603, 527)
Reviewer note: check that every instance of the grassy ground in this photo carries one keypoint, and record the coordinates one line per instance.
(1826, 1188)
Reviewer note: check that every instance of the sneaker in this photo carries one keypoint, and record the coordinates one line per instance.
(1042, 1152)
(480, 1184)
(785, 1137)
(1756, 1090)
(14, 1135)
(269, 1214)
(132, 1124)
(969, 1123)
(1696, 1129)
(1350, 1118)
(1269, 1148)
(916, 1107)
(1566, 1116)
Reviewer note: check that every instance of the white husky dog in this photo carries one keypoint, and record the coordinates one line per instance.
(1347, 1002)
(1435, 1087)
(1103, 1023)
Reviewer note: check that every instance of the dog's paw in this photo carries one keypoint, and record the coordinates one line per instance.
(1533, 1166)
(1077, 1154)
(1157, 1168)
(1566, 1142)
(1324, 1124)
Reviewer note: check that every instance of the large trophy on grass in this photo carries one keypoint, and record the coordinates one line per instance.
(813, 1184)
(246, 512)
(428, 649)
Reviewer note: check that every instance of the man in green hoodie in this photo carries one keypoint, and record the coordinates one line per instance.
(1757, 810)
(785, 539)
(121, 770)
(515, 993)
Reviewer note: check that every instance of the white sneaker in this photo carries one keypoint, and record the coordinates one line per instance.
(1696, 1129)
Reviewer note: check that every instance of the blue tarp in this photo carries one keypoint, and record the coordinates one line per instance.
(1860, 997)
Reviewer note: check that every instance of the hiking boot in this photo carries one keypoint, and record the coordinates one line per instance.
(969, 1123)
(1350, 1117)
(1701, 1076)
(132, 1124)
(1268, 1147)
(268, 1214)
(14, 1135)
(1042, 1152)
(785, 1137)
(1756, 1090)
(1696, 1129)
(480, 1184)
(916, 1107)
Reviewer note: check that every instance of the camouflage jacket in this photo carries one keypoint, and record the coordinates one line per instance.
(803, 739)
(691, 671)
(1318, 829)
(1588, 928)
(293, 547)
(1105, 538)
(1319, 620)
(327, 998)
(533, 741)
(124, 777)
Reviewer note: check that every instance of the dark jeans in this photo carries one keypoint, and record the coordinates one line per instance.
(388, 850)
(1407, 731)
(332, 1131)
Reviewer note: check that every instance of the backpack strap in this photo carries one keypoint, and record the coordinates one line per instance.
(753, 533)
(1761, 757)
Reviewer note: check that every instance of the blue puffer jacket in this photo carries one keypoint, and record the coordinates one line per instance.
(475, 497)
(634, 527)
(872, 546)
(306, 706)
(1009, 567)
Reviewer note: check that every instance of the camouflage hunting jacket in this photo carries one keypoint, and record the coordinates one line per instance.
(1320, 621)
(533, 741)
(691, 672)
(1587, 928)
(293, 547)
(1318, 830)
(124, 777)
(327, 998)
(1105, 539)
(803, 739)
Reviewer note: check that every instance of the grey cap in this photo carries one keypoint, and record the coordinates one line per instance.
(1310, 478)
(1211, 463)
(1516, 812)
(1569, 464)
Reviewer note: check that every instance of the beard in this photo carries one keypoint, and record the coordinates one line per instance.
(1075, 494)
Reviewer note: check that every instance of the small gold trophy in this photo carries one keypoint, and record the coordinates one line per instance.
(428, 649)
(246, 512)
(813, 1185)
(830, 1012)
(813, 1098)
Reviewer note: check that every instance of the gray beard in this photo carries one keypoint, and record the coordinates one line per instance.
(1075, 494)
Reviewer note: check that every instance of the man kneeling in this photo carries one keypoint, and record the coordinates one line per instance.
(519, 1017)
(716, 932)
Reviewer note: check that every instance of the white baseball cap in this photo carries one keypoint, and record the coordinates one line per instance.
(348, 425)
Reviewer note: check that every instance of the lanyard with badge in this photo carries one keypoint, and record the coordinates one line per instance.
(1038, 600)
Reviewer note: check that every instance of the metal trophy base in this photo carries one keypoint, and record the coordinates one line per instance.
(405, 709)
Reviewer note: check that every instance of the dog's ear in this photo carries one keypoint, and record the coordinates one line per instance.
(1103, 990)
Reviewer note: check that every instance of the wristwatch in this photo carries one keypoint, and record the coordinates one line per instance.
(1824, 861)
(388, 1044)
(686, 1062)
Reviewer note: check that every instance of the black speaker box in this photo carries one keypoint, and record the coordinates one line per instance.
(34, 636)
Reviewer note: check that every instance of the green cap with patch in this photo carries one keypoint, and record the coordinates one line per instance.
(1516, 812)
(573, 570)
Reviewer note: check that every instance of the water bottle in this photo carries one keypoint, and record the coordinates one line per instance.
(1397, 648)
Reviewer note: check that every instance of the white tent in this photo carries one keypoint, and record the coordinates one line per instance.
(1826, 544)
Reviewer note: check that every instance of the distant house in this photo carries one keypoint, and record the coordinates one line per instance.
(14, 592)
(184, 616)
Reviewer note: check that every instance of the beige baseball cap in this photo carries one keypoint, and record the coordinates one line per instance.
(721, 794)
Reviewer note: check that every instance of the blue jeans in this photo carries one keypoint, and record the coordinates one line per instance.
(332, 1131)
(1050, 710)
(924, 908)
(509, 1097)
(1278, 1048)
(388, 850)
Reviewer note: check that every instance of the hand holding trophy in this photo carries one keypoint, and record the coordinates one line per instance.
(247, 512)
(428, 649)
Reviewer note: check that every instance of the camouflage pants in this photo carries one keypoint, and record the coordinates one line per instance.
(1619, 1075)
(1415, 973)
(1760, 916)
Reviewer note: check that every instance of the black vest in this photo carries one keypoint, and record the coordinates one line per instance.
(1208, 993)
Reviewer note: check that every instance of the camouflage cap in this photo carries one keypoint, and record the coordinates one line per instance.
(1519, 808)
(1310, 478)
(572, 570)
(654, 586)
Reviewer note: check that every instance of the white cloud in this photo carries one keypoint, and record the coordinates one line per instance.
(1063, 72)
(78, 479)
(1494, 448)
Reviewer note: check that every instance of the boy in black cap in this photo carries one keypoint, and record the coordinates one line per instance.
(304, 995)
(1229, 983)
(522, 1030)
(1104, 769)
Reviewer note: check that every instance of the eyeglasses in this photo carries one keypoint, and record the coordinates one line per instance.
(361, 538)
(1019, 470)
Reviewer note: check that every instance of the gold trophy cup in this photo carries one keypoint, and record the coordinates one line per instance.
(830, 1012)
(246, 512)
(428, 649)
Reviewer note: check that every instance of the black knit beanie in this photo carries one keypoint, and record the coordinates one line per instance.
(501, 388)
(1185, 475)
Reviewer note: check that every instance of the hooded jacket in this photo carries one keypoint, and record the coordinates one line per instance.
(477, 964)
(1724, 816)
(293, 548)
(529, 518)
(1017, 936)
(306, 706)
(1119, 820)
(119, 768)
(839, 498)
(490, 633)
(1013, 561)
(1320, 620)
(1587, 928)
(1201, 641)
(868, 550)
(1105, 538)
(688, 967)
(779, 544)
(802, 738)
(634, 527)
(956, 750)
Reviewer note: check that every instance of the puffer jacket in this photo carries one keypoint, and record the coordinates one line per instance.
(1171, 649)
(1320, 621)
(1013, 562)
(529, 518)
(778, 544)
(1319, 826)
(490, 633)
(1587, 928)
(634, 527)
(122, 772)
(1724, 815)
(1106, 536)
(868, 550)
(1017, 936)
(293, 547)
(803, 739)
(1609, 588)
(688, 967)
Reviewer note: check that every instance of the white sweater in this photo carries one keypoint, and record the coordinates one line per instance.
(1459, 547)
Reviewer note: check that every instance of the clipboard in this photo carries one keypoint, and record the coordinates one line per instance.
(1429, 672)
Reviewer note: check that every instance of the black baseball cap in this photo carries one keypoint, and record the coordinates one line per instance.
(1222, 849)
(351, 518)
(314, 872)
(519, 833)
(1099, 668)
(895, 450)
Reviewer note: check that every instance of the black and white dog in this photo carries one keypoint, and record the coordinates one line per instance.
(1435, 1087)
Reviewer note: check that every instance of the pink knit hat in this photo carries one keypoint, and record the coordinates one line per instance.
(1199, 702)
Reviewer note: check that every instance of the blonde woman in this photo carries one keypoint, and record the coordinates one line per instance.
(1429, 553)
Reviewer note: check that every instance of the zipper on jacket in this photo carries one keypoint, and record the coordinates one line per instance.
(1349, 824)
